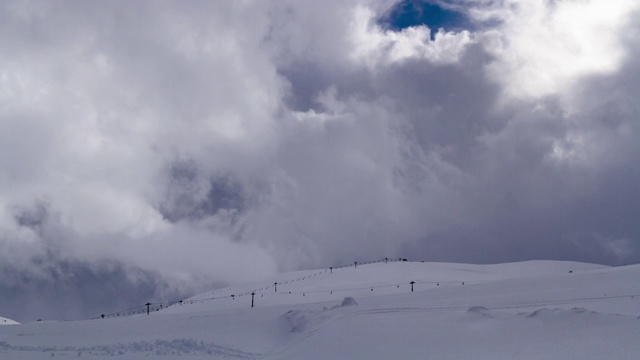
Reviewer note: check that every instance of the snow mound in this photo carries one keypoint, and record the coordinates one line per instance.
(348, 301)
(555, 312)
(300, 320)
(297, 320)
(5, 321)
(547, 312)
(479, 311)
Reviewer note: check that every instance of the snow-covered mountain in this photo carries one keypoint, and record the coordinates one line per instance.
(527, 310)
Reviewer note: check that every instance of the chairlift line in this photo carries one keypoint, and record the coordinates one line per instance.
(163, 305)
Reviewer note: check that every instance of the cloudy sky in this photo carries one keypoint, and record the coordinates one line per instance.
(152, 149)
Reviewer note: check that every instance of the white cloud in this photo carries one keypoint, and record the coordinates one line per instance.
(547, 46)
(375, 46)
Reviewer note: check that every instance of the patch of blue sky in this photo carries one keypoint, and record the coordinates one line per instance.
(409, 13)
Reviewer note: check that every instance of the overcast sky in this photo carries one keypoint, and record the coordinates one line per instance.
(151, 149)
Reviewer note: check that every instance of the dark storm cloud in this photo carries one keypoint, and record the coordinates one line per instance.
(72, 289)
(33, 217)
(193, 198)
(557, 184)
(161, 147)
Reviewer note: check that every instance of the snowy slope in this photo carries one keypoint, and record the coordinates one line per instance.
(5, 321)
(529, 310)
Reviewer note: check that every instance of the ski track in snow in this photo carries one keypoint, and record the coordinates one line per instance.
(176, 347)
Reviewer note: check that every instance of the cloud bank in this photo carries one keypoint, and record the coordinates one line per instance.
(153, 149)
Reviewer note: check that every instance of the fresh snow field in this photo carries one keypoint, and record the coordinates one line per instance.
(527, 310)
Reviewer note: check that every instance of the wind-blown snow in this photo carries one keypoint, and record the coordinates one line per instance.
(529, 310)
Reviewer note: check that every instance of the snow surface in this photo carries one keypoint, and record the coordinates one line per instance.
(528, 310)
(5, 321)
